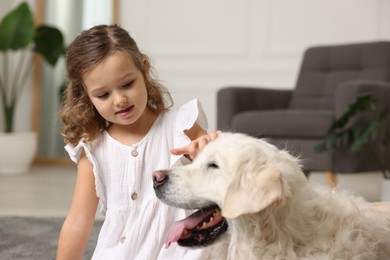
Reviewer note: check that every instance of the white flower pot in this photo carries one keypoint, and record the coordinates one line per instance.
(17, 151)
(385, 190)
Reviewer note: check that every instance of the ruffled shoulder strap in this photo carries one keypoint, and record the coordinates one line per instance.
(75, 154)
(187, 115)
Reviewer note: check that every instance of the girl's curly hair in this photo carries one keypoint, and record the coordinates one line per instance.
(79, 116)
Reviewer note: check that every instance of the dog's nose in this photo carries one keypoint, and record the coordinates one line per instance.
(159, 178)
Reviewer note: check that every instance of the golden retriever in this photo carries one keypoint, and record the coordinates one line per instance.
(260, 195)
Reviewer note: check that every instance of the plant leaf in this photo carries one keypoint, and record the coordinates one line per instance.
(363, 102)
(50, 43)
(360, 135)
(345, 138)
(320, 147)
(17, 29)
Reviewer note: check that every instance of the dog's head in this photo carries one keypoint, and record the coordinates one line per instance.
(238, 173)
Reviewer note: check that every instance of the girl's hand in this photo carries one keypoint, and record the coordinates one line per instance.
(193, 148)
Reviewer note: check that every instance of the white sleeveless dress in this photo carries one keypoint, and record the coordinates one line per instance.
(135, 220)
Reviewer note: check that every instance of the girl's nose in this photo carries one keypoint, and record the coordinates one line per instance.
(120, 100)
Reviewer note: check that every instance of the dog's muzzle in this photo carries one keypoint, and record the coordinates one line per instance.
(199, 229)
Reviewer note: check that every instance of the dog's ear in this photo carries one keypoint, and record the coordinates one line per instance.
(252, 192)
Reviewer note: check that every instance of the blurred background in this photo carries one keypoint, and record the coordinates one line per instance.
(197, 47)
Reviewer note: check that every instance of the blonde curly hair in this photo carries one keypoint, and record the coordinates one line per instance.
(79, 117)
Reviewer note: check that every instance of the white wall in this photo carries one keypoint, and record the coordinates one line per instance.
(199, 46)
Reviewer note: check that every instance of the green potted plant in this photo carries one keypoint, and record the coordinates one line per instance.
(361, 135)
(21, 41)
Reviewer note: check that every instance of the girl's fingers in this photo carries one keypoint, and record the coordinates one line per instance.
(193, 148)
(180, 150)
(213, 135)
(202, 143)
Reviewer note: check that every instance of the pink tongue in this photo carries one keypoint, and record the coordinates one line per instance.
(190, 222)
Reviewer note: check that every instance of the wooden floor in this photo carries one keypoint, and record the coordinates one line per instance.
(47, 190)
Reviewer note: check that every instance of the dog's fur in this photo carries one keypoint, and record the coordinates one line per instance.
(272, 210)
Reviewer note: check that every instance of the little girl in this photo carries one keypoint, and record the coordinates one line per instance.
(118, 129)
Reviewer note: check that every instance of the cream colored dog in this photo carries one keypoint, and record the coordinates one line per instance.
(272, 211)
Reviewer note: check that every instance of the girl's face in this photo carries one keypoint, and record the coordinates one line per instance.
(117, 89)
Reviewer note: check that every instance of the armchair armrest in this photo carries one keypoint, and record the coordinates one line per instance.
(232, 100)
(349, 90)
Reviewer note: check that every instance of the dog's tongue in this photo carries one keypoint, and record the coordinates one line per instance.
(176, 230)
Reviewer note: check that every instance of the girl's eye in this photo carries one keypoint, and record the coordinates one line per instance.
(102, 96)
(128, 84)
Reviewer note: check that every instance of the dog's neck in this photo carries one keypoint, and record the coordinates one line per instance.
(263, 229)
(249, 232)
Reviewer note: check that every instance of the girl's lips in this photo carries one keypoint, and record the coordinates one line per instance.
(125, 111)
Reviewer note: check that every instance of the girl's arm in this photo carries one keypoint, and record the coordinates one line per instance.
(200, 138)
(78, 224)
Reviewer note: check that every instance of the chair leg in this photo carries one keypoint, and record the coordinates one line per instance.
(331, 179)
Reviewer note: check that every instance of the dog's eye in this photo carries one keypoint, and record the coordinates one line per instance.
(212, 165)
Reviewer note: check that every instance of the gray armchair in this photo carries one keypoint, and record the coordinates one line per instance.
(330, 78)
